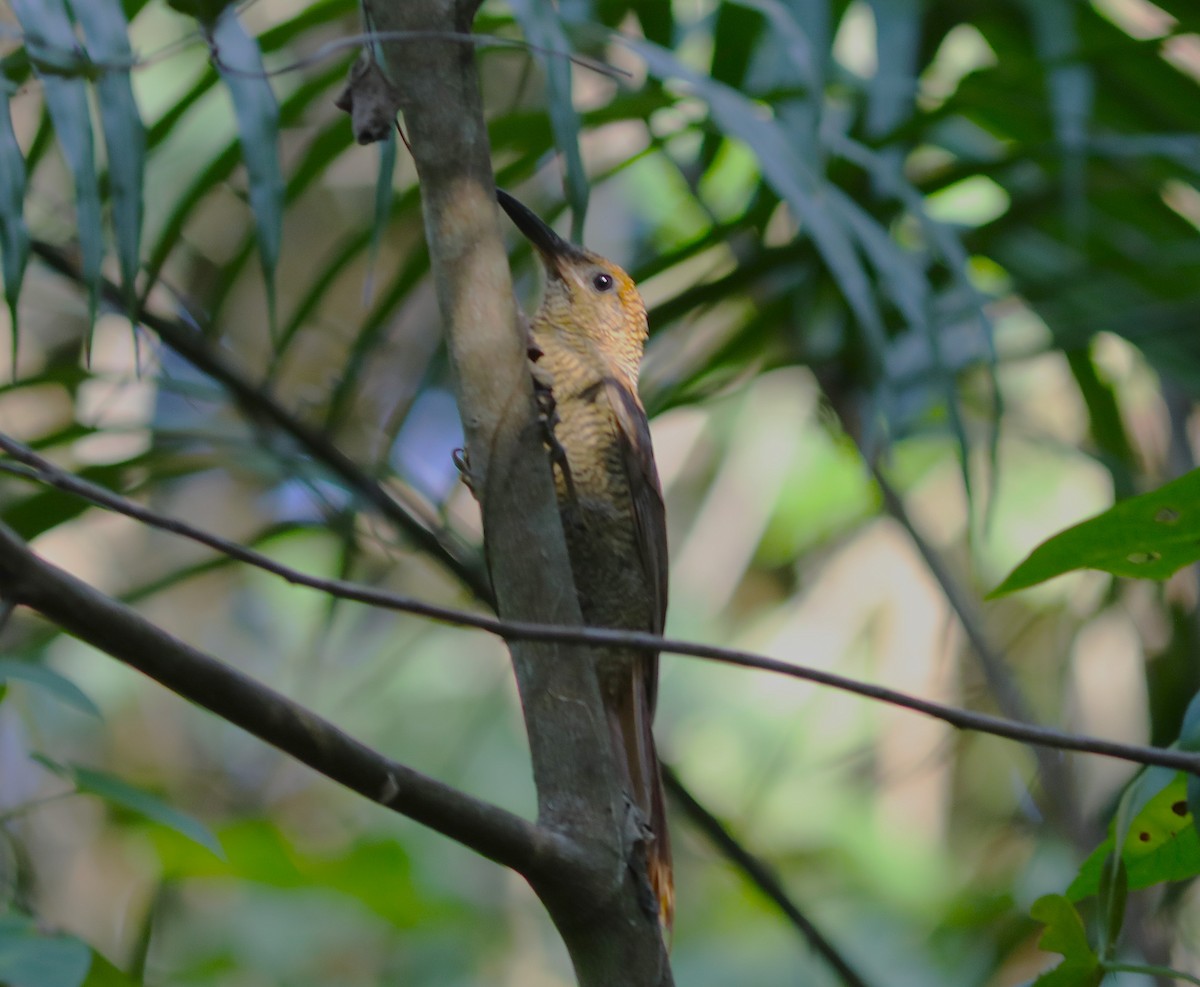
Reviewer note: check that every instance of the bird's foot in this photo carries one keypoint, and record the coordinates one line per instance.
(637, 835)
(462, 463)
(543, 392)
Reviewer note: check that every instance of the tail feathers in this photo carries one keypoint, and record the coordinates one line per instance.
(634, 741)
(658, 852)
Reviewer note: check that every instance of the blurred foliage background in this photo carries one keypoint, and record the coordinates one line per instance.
(956, 242)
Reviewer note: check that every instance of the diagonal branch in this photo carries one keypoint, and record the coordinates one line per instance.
(1057, 783)
(37, 468)
(514, 630)
(762, 876)
(257, 404)
(121, 632)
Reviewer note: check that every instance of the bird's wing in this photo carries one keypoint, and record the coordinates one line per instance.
(634, 733)
(649, 514)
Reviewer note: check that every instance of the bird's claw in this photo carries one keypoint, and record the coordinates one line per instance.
(462, 463)
(543, 392)
(637, 834)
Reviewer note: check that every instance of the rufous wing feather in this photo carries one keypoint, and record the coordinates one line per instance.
(635, 721)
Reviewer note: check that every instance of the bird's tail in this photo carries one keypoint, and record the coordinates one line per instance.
(634, 740)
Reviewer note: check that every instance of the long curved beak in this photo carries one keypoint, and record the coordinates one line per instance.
(549, 244)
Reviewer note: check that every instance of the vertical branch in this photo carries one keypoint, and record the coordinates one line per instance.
(610, 936)
(1057, 799)
(1057, 783)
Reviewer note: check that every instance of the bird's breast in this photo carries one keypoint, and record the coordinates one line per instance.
(596, 501)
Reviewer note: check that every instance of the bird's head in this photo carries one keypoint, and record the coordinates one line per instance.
(588, 299)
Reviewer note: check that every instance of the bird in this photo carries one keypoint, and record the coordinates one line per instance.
(586, 342)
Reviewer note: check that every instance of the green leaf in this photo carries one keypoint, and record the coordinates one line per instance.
(107, 32)
(322, 150)
(257, 850)
(1071, 96)
(1146, 537)
(1158, 841)
(171, 227)
(384, 193)
(14, 234)
(1189, 729)
(49, 507)
(241, 66)
(1104, 416)
(892, 89)
(30, 958)
(48, 680)
(48, 32)
(1189, 740)
(543, 27)
(1113, 894)
(88, 781)
(104, 974)
(793, 178)
(1065, 934)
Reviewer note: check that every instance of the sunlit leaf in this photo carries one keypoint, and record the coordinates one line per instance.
(1146, 537)
(1159, 843)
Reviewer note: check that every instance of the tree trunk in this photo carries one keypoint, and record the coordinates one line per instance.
(595, 899)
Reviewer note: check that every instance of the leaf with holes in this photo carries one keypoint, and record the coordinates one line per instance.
(1145, 537)
(1189, 740)
(1160, 843)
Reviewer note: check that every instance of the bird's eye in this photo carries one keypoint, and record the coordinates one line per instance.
(603, 282)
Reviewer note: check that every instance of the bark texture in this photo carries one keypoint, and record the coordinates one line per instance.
(593, 900)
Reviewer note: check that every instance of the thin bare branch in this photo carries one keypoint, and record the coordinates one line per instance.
(601, 637)
(762, 876)
(331, 48)
(121, 632)
(259, 405)
(1057, 786)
